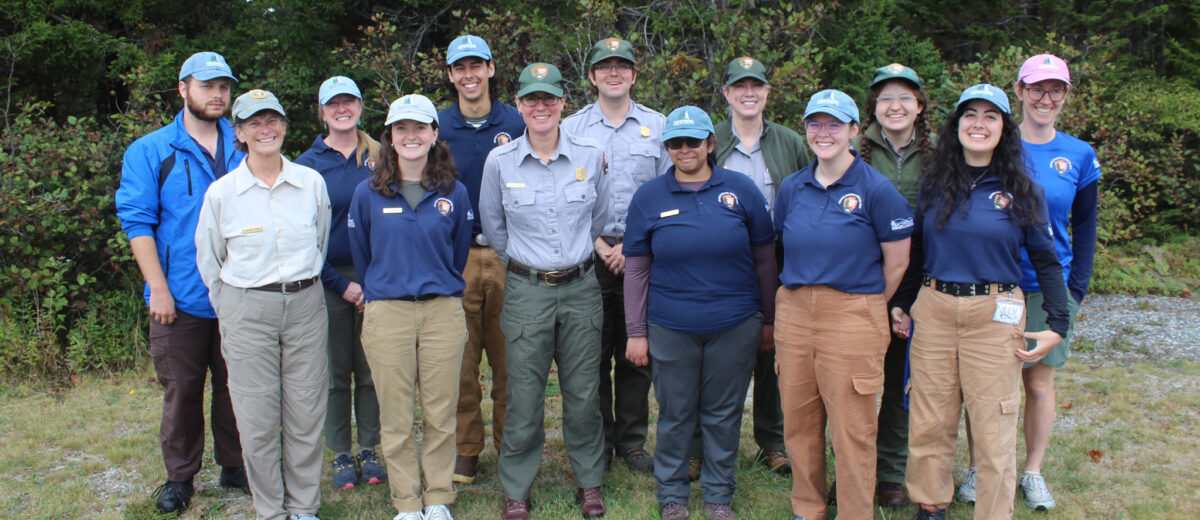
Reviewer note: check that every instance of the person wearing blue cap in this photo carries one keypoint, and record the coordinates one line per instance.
(163, 178)
(260, 248)
(977, 208)
(699, 303)
(410, 233)
(630, 134)
(475, 124)
(345, 157)
(543, 202)
(845, 232)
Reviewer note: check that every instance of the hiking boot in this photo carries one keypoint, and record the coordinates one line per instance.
(966, 491)
(591, 501)
(673, 511)
(719, 511)
(465, 468)
(637, 459)
(174, 497)
(437, 512)
(922, 514)
(694, 464)
(776, 460)
(234, 477)
(1037, 497)
(891, 494)
(515, 509)
(372, 471)
(345, 475)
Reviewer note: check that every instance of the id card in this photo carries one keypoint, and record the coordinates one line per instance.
(1009, 310)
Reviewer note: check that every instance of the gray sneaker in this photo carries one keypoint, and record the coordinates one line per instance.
(1037, 497)
(966, 491)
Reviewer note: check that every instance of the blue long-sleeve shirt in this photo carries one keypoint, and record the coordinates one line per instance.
(342, 175)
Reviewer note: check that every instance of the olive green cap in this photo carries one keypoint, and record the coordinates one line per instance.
(611, 48)
(745, 67)
(896, 71)
(540, 77)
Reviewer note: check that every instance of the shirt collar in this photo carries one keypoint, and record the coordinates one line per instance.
(595, 115)
(525, 149)
(853, 173)
(898, 151)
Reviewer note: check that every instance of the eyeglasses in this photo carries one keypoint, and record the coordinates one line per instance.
(532, 101)
(904, 99)
(1036, 93)
(620, 66)
(813, 126)
(690, 142)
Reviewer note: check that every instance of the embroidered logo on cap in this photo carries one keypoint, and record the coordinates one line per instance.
(728, 198)
(685, 120)
(1047, 63)
(540, 71)
(613, 44)
(828, 100)
(850, 202)
(467, 44)
(895, 68)
(444, 206)
(746, 62)
(257, 94)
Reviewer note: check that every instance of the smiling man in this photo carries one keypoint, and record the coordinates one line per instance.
(475, 124)
(630, 134)
(163, 178)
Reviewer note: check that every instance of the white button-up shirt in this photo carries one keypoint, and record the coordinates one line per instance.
(251, 234)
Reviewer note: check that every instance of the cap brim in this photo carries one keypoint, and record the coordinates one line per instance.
(206, 75)
(327, 97)
(451, 60)
(697, 133)
(910, 81)
(962, 102)
(419, 117)
(1043, 76)
(249, 112)
(603, 57)
(549, 88)
(837, 114)
(737, 77)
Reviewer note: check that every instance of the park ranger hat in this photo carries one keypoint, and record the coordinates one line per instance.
(540, 77)
(896, 71)
(833, 102)
(987, 93)
(205, 66)
(253, 102)
(468, 47)
(335, 86)
(414, 107)
(611, 48)
(745, 67)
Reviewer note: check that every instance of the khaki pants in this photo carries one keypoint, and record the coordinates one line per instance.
(958, 354)
(274, 346)
(416, 348)
(830, 347)
(482, 301)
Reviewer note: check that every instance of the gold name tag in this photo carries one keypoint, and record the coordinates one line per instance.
(670, 213)
(393, 210)
(255, 229)
(515, 185)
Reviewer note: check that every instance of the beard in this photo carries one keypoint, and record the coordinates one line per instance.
(200, 109)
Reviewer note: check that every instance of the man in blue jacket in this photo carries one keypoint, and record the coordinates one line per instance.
(163, 179)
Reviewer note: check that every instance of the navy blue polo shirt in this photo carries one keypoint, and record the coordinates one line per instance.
(470, 145)
(401, 251)
(702, 277)
(831, 235)
(980, 242)
(342, 175)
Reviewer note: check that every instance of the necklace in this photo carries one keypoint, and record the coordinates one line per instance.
(977, 179)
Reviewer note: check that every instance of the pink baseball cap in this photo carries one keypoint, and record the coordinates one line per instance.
(1043, 67)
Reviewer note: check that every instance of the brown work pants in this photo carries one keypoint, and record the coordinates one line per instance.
(829, 349)
(482, 301)
(958, 354)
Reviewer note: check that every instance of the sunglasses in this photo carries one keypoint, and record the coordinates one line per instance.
(690, 142)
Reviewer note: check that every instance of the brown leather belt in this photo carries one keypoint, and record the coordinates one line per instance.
(288, 287)
(551, 278)
(966, 289)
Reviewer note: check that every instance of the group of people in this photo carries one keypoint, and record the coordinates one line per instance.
(630, 250)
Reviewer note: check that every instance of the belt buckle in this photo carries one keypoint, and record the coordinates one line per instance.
(547, 275)
(284, 287)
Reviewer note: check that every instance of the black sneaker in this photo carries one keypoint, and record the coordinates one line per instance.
(173, 497)
(637, 459)
(234, 477)
(345, 473)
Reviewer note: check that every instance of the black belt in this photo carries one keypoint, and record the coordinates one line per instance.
(286, 287)
(421, 298)
(552, 278)
(966, 289)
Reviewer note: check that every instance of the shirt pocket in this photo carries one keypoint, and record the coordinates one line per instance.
(518, 207)
(645, 161)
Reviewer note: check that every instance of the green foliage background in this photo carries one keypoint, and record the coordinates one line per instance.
(83, 78)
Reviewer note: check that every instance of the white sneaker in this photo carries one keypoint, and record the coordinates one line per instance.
(1037, 497)
(438, 512)
(966, 491)
(410, 515)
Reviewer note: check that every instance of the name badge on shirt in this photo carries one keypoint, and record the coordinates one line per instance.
(580, 174)
(393, 210)
(669, 213)
(255, 229)
(1009, 310)
(515, 185)
(645, 131)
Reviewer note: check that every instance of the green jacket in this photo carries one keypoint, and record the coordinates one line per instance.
(784, 151)
(905, 173)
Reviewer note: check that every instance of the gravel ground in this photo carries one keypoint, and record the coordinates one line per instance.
(1137, 328)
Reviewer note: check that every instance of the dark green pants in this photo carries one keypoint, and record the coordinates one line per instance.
(624, 392)
(891, 446)
(350, 384)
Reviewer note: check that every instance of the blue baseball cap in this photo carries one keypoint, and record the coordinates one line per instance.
(335, 86)
(986, 92)
(833, 102)
(205, 66)
(687, 121)
(467, 47)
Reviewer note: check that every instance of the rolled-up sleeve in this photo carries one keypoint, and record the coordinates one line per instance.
(137, 196)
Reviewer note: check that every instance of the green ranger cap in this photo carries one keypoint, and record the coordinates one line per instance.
(611, 48)
(896, 71)
(540, 77)
(745, 67)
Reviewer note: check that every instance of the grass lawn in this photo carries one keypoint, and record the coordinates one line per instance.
(1125, 446)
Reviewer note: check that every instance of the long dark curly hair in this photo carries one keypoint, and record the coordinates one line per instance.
(947, 180)
(924, 142)
(439, 175)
